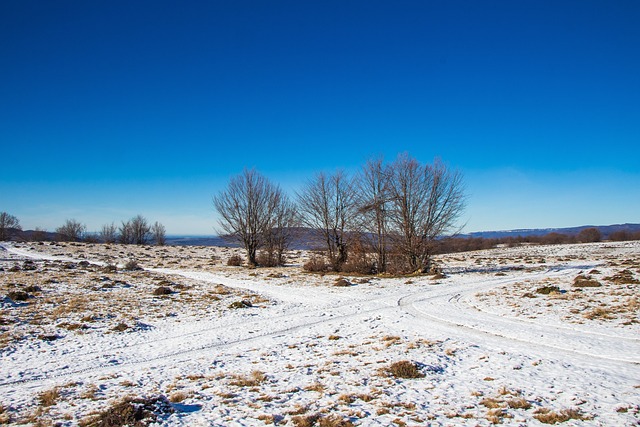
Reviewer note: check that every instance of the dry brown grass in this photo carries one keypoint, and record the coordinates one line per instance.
(583, 281)
(547, 416)
(599, 313)
(404, 369)
(252, 380)
(519, 403)
(49, 397)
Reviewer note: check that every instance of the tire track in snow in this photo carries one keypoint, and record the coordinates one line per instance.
(450, 309)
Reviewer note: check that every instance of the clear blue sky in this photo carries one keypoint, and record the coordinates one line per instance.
(113, 108)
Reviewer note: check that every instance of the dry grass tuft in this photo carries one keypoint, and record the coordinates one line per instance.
(404, 369)
(305, 420)
(583, 281)
(342, 282)
(132, 412)
(519, 403)
(599, 313)
(334, 420)
(546, 290)
(49, 397)
(547, 416)
(251, 380)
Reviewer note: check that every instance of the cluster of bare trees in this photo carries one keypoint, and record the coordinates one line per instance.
(8, 223)
(135, 231)
(387, 217)
(258, 214)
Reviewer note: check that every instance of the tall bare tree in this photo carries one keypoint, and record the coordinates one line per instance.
(108, 234)
(140, 229)
(426, 201)
(373, 208)
(159, 233)
(8, 222)
(71, 230)
(125, 233)
(327, 205)
(246, 209)
(278, 235)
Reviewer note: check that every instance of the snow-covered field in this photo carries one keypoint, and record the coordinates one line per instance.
(518, 336)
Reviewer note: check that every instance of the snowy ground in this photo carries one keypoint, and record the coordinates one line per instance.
(506, 337)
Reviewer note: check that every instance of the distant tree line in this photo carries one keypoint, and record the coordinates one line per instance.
(587, 235)
(386, 218)
(137, 231)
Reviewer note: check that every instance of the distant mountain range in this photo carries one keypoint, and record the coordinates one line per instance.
(606, 230)
(306, 239)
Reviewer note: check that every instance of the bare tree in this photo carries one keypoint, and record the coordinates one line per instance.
(7, 223)
(158, 232)
(589, 235)
(426, 201)
(108, 234)
(246, 209)
(278, 235)
(373, 208)
(140, 230)
(125, 233)
(327, 205)
(71, 230)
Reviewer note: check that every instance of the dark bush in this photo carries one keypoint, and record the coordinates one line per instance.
(234, 261)
(546, 290)
(405, 369)
(342, 282)
(316, 265)
(132, 265)
(138, 412)
(18, 295)
(241, 304)
(163, 290)
(582, 281)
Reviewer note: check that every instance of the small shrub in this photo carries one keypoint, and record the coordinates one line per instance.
(334, 420)
(18, 295)
(240, 304)
(132, 412)
(132, 265)
(305, 420)
(33, 289)
(49, 397)
(624, 277)
(546, 290)
(342, 282)
(162, 290)
(405, 369)
(252, 380)
(316, 265)
(48, 338)
(519, 403)
(234, 261)
(110, 268)
(599, 313)
(120, 327)
(546, 416)
(582, 281)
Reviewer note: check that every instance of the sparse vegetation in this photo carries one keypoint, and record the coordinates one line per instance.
(583, 281)
(132, 412)
(404, 369)
(547, 416)
(235, 261)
